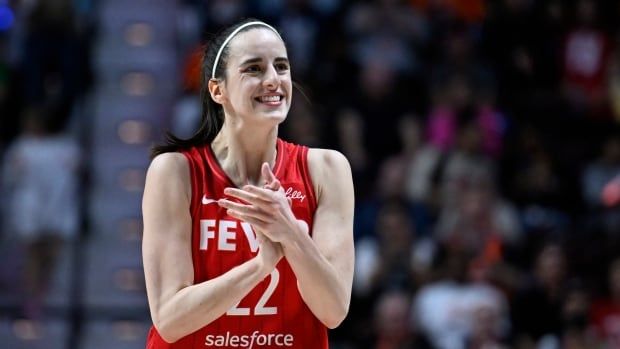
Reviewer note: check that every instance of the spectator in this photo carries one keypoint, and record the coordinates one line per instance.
(605, 310)
(614, 79)
(53, 62)
(601, 171)
(576, 332)
(392, 325)
(385, 261)
(586, 59)
(186, 112)
(387, 31)
(465, 164)
(470, 11)
(534, 183)
(508, 39)
(537, 307)
(41, 179)
(424, 165)
(300, 26)
(448, 309)
(367, 125)
(303, 124)
(481, 224)
(604, 216)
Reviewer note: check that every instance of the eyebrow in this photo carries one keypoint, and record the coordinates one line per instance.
(258, 59)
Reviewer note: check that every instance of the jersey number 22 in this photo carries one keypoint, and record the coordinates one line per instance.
(260, 308)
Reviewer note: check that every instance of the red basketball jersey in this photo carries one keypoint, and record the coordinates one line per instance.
(273, 314)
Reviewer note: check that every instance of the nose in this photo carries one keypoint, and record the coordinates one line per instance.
(272, 79)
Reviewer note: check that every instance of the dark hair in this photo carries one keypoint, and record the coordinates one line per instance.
(212, 114)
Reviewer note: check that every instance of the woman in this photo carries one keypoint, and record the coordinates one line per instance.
(247, 239)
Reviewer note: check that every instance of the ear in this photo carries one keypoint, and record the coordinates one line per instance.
(215, 89)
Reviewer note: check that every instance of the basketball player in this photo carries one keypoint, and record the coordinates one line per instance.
(248, 239)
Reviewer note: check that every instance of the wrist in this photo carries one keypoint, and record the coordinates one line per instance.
(263, 267)
(296, 233)
(260, 267)
(298, 239)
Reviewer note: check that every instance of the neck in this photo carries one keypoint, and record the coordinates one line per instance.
(241, 152)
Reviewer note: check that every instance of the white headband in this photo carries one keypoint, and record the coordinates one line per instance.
(232, 35)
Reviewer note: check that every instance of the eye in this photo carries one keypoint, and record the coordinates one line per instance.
(282, 66)
(252, 69)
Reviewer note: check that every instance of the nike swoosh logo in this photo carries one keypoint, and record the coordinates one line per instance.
(206, 201)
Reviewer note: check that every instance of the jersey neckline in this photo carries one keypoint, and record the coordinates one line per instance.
(219, 172)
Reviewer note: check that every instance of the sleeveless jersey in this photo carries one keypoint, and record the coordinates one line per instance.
(273, 314)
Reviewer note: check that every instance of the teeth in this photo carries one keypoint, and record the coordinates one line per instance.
(270, 98)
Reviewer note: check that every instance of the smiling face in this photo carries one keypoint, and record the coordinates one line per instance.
(258, 83)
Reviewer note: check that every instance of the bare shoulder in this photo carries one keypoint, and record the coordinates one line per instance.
(169, 163)
(327, 160)
(328, 168)
(169, 170)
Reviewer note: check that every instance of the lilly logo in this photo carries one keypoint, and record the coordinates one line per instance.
(294, 194)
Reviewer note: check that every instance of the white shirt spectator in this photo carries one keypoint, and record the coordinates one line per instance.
(41, 180)
(446, 311)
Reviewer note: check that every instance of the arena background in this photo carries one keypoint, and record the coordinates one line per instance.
(483, 138)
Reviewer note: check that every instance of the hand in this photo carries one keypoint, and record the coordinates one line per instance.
(271, 182)
(267, 209)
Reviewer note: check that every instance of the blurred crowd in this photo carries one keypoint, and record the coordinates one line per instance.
(43, 77)
(483, 137)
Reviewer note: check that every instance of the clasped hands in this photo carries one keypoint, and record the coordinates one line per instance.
(267, 209)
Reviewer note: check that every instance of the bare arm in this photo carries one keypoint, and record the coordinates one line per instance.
(178, 307)
(324, 262)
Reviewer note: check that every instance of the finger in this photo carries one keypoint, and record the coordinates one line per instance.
(267, 173)
(265, 203)
(261, 193)
(271, 181)
(274, 186)
(264, 173)
(259, 224)
(261, 199)
(248, 210)
(245, 195)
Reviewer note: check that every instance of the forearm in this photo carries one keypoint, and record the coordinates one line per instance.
(322, 289)
(194, 307)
